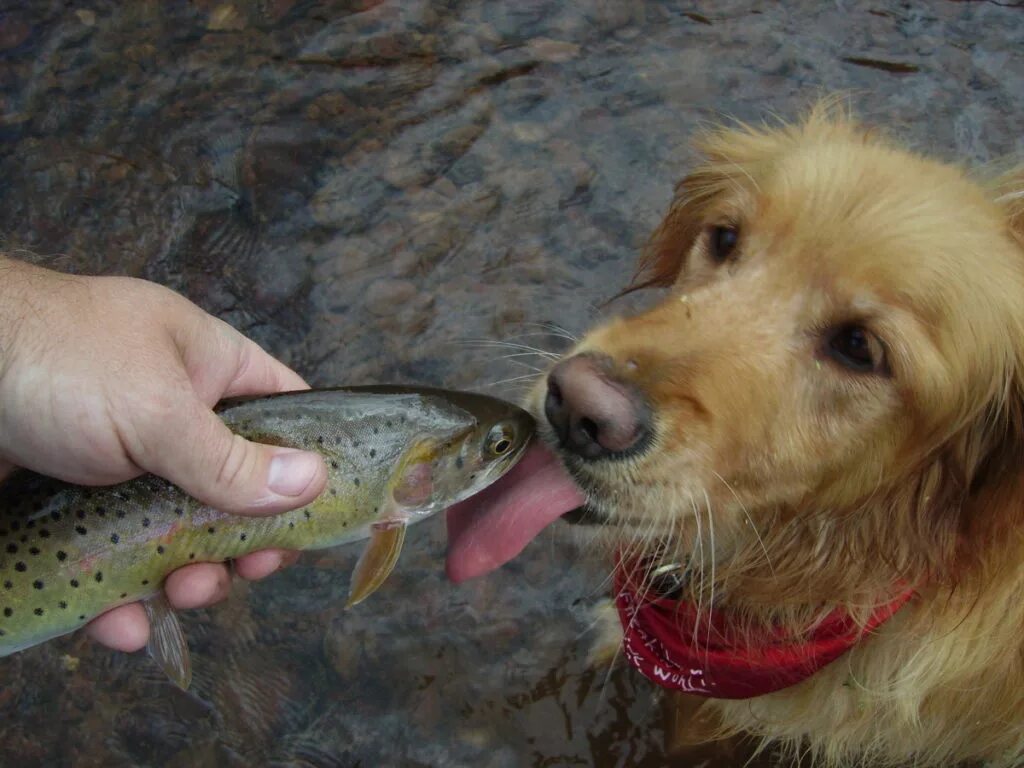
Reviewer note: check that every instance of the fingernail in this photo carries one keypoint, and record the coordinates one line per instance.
(291, 472)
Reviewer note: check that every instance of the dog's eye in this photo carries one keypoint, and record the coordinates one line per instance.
(857, 349)
(722, 242)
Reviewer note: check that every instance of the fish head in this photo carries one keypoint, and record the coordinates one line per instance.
(441, 471)
(493, 445)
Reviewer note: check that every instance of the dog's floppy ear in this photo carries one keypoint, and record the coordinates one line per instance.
(995, 502)
(666, 250)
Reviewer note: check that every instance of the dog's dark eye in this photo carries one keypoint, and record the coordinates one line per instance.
(722, 242)
(857, 349)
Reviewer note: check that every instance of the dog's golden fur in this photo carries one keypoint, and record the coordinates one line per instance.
(793, 484)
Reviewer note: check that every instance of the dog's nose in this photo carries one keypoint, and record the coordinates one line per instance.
(594, 415)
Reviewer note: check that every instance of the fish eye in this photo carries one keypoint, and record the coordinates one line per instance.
(499, 440)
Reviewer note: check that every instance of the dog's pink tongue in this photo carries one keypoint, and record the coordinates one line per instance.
(492, 527)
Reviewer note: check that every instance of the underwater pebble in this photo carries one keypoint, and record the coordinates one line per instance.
(387, 297)
(225, 18)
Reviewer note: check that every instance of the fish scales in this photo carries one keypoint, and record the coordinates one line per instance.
(69, 553)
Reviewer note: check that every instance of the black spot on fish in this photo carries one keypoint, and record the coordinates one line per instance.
(376, 430)
(191, 555)
(37, 584)
(38, 611)
(211, 529)
(33, 550)
(145, 582)
(101, 511)
(8, 584)
(334, 491)
(23, 539)
(124, 595)
(81, 617)
(145, 522)
(307, 513)
(30, 525)
(320, 440)
(62, 605)
(62, 555)
(291, 524)
(373, 452)
(458, 462)
(20, 567)
(8, 612)
(356, 482)
(55, 515)
(12, 548)
(81, 529)
(120, 514)
(114, 538)
(179, 511)
(99, 576)
(80, 514)
(334, 464)
(242, 537)
(2, 633)
(376, 510)
(44, 533)
(387, 424)
(159, 550)
(74, 583)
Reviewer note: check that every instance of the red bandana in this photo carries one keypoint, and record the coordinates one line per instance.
(667, 643)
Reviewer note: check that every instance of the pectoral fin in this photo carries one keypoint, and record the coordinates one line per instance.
(377, 561)
(167, 644)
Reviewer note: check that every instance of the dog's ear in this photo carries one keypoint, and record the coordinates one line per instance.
(994, 508)
(665, 253)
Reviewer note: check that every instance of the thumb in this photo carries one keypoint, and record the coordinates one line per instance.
(232, 474)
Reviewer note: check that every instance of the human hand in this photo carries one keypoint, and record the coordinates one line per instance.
(104, 378)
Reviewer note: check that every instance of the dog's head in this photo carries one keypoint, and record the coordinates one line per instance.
(832, 382)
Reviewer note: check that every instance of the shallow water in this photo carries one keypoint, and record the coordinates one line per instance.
(363, 188)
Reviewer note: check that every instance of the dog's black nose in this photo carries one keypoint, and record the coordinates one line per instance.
(594, 415)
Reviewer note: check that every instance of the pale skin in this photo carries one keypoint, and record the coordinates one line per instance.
(104, 378)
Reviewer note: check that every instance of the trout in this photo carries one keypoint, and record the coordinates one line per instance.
(394, 455)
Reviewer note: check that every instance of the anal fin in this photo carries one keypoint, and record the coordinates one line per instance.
(377, 560)
(167, 645)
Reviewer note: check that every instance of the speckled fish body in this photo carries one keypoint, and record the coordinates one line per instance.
(394, 455)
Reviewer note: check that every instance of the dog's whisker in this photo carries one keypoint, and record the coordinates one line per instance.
(498, 344)
(750, 520)
(513, 379)
(713, 547)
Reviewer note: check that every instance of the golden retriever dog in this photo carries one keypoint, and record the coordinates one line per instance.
(808, 455)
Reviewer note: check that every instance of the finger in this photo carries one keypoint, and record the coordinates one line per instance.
(221, 362)
(230, 473)
(259, 373)
(259, 565)
(198, 585)
(124, 629)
